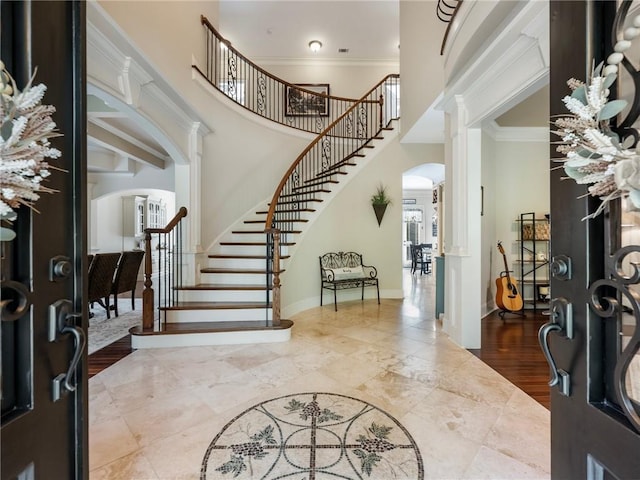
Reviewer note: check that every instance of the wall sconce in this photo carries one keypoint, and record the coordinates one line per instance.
(315, 45)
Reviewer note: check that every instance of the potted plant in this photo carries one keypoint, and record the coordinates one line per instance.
(380, 200)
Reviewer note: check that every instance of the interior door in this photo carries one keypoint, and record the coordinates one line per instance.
(44, 380)
(594, 422)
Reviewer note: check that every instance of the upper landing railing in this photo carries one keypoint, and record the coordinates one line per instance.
(446, 12)
(307, 107)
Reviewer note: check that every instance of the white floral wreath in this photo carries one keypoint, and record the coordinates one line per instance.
(25, 129)
(594, 153)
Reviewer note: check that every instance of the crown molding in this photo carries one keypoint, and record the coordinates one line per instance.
(516, 134)
(513, 67)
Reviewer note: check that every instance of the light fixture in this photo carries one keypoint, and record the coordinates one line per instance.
(315, 45)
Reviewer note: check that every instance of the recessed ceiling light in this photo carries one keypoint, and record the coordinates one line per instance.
(315, 45)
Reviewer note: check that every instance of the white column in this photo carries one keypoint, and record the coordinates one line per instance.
(188, 194)
(463, 229)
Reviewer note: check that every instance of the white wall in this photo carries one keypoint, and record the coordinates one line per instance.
(108, 234)
(488, 224)
(349, 223)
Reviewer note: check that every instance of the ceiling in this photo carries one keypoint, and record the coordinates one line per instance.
(265, 30)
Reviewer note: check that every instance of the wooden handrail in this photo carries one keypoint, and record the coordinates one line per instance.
(148, 295)
(172, 224)
(294, 165)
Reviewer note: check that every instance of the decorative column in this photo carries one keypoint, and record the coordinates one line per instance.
(462, 309)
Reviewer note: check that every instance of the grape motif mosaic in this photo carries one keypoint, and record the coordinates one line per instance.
(313, 436)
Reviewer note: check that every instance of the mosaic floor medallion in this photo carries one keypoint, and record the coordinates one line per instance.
(313, 436)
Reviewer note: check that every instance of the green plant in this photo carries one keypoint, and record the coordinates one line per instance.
(380, 197)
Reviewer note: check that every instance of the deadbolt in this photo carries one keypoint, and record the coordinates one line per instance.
(59, 268)
(561, 267)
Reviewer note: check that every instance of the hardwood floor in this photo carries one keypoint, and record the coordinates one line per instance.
(107, 356)
(511, 348)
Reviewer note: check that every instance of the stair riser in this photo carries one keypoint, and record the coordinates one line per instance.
(237, 263)
(242, 249)
(210, 338)
(234, 278)
(219, 315)
(223, 296)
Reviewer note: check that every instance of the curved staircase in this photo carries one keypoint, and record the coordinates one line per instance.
(238, 299)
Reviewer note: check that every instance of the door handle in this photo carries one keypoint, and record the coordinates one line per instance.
(561, 321)
(62, 322)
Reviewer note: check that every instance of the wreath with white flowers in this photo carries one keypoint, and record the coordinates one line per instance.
(25, 129)
(595, 154)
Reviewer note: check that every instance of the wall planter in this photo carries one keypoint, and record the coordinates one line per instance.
(380, 201)
(380, 209)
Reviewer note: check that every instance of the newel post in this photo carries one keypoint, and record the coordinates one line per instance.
(381, 101)
(275, 303)
(147, 293)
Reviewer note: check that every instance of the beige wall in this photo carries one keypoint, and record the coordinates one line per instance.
(521, 186)
(490, 269)
(348, 223)
(421, 66)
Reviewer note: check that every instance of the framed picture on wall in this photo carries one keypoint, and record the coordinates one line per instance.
(305, 103)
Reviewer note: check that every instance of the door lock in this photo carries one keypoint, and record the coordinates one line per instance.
(561, 267)
(60, 268)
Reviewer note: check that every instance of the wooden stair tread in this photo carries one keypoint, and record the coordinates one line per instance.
(235, 270)
(310, 183)
(293, 210)
(369, 146)
(299, 200)
(244, 257)
(215, 306)
(212, 327)
(252, 244)
(291, 220)
(254, 232)
(305, 192)
(224, 286)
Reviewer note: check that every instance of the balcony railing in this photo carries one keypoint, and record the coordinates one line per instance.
(305, 107)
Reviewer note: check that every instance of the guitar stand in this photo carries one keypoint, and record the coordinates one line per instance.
(502, 313)
(519, 313)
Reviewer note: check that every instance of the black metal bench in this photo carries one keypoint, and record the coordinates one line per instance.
(340, 270)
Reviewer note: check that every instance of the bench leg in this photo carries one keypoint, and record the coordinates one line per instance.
(321, 291)
(378, 289)
(335, 300)
(362, 298)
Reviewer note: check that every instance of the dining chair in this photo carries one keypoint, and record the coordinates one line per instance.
(101, 274)
(126, 277)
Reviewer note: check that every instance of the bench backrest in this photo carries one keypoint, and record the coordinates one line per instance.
(340, 260)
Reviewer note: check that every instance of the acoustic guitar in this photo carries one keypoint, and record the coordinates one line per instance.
(507, 297)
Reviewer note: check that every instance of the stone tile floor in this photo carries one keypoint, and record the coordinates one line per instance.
(154, 413)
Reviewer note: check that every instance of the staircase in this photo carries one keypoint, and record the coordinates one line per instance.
(238, 299)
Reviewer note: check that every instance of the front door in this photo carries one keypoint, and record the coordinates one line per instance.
(43, 328)
(594, 415)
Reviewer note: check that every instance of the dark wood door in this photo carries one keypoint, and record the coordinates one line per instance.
(592, 434)
(44, 398)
